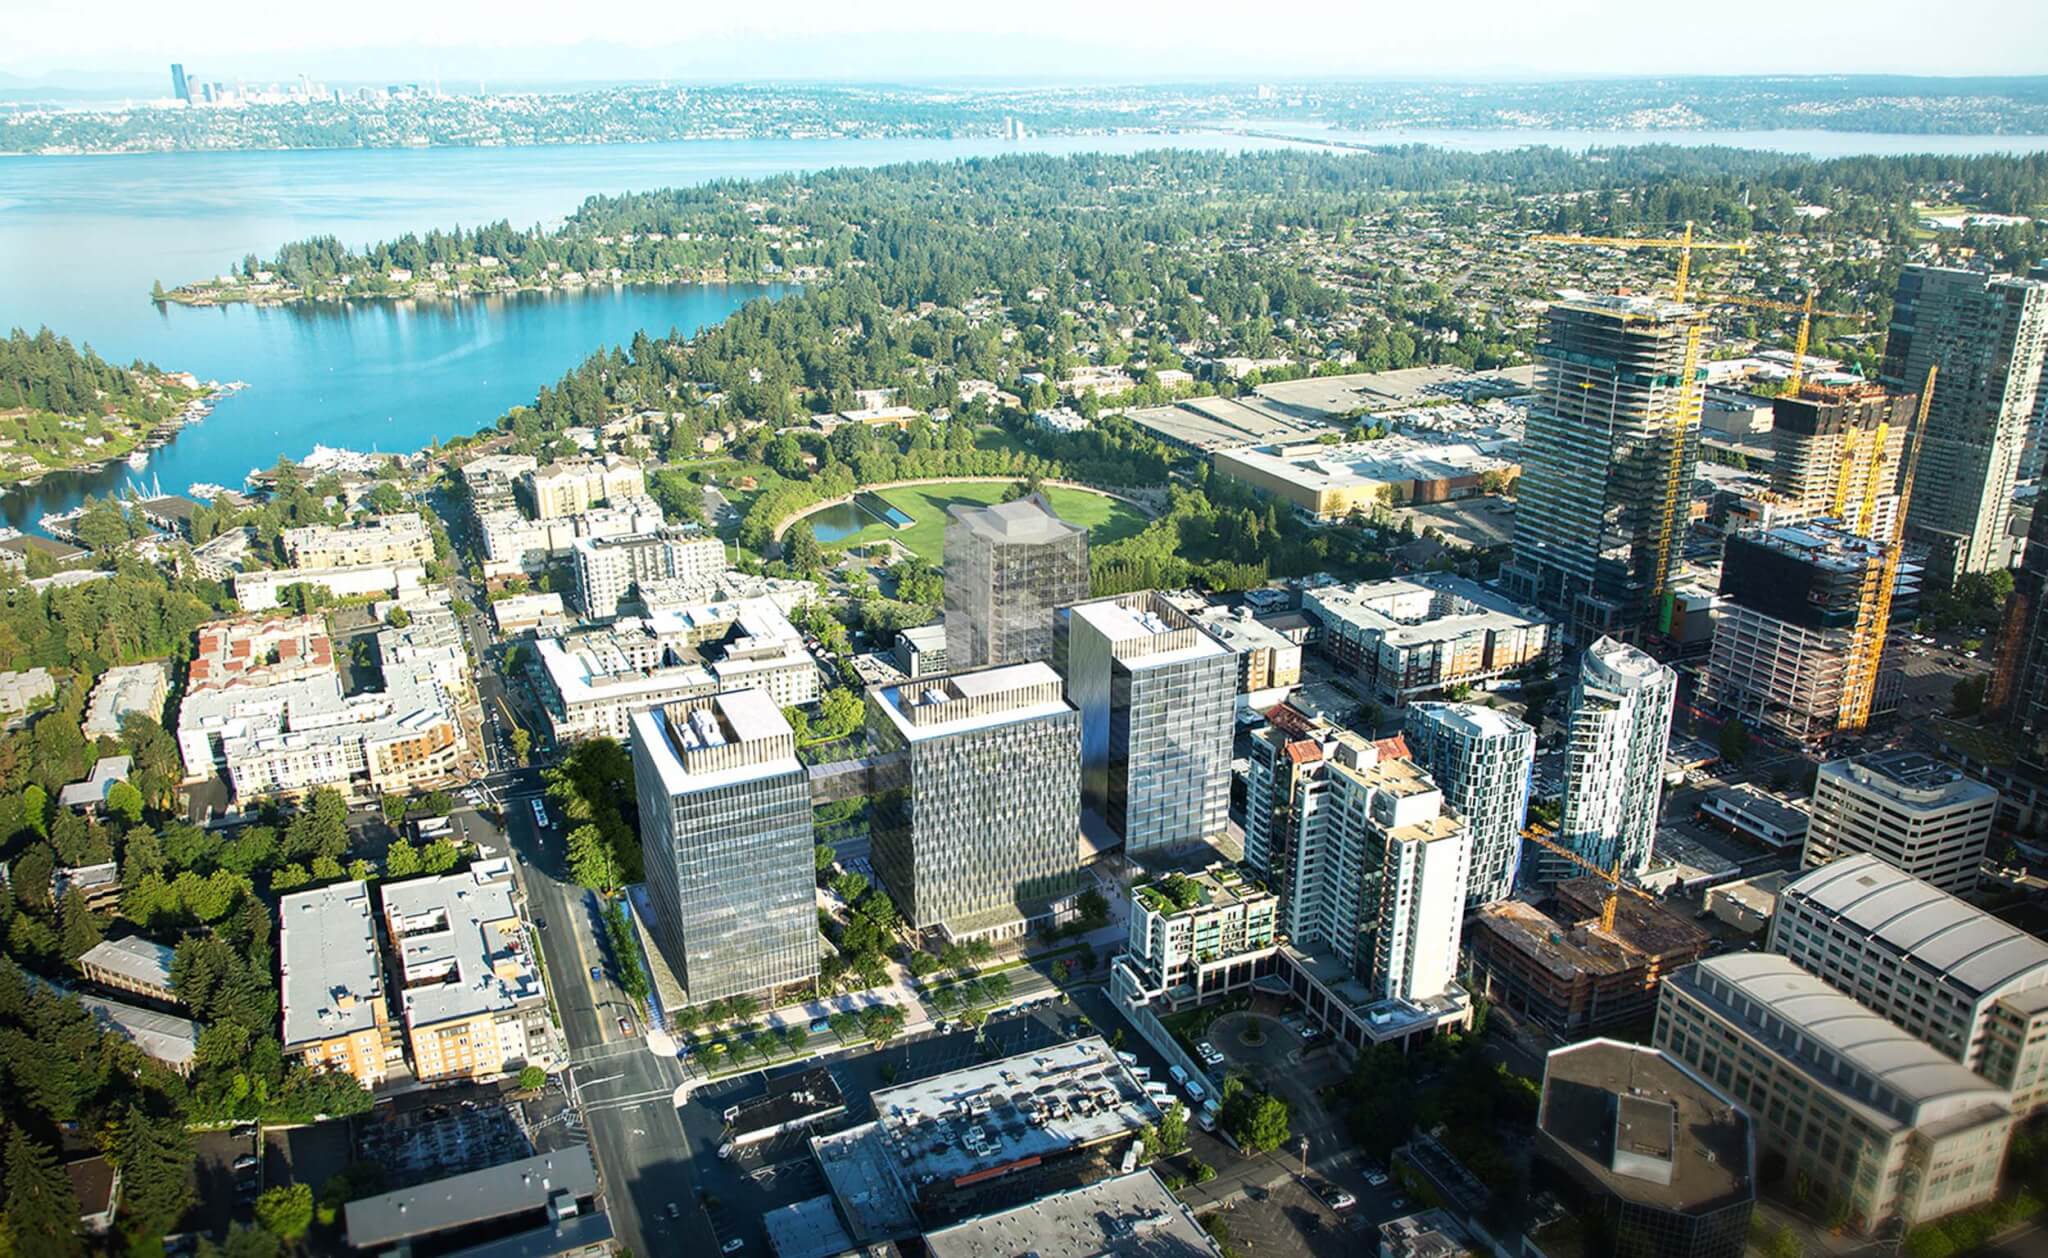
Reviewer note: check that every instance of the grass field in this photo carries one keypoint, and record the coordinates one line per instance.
(1106, 519)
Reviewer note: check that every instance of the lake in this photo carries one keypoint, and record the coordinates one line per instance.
(82, 239)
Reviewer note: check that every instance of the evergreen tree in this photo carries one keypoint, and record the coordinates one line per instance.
(77, 925)
(155, 1157)
(42, 1211)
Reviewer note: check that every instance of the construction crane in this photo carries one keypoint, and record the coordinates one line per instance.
(1615, 886)
(1685, 244)
(1859, 688)
(1806, 312)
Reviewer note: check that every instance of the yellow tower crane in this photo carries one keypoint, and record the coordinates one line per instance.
(1685, 244)
(1615, 886)
(1806, 312)
(1859, 688)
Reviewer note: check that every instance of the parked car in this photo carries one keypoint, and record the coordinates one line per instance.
(596, 974)
(673, 1212)
(1378, 1179)
(1334, 1197)
(625, 1026)
(247, 1162)
(732, 1246)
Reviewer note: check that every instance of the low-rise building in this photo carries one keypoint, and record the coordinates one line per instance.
(90, 795)
(1752, 811)
(1747, 904)
(264, 590)
(529, 613)
(1668, 1159)
(470, 990)
(1193, 937)
(1965, 981)
(1420, 635)
(1569, 973)
(1877, 1123)
(1267, 659)
(569, 488)
(99, 884)
(1914, 812)
(222, 557)
(541, 1205)
(128, 690)
(333, 982)
(137, 965)
(399, 538)
(22, 690)
(1124, 1215)
(1329, 482)
(1427, 1234)
(592, 683)
(921, 651)
(998, 1134)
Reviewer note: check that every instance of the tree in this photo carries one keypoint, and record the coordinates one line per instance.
(849, 886)
(42, 1211)
(440, 856)
(77, 925)
(1173, 1128)
(155, 1157)
(591, 862)
(1967, 699)
(401, 860)
(242, 1242)
(125, 801)
(286, 1210)
(1734, 741)
(533, 1079)
(522, 743)
(800, 549)
(823, 855)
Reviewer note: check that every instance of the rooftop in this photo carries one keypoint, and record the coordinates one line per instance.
(259, 651)
(1215, 887)
(1393, 460)
(1910, 777)
(1619, 665)
(474, 1197)
(1126, 1216)
(1427, 1234)
(1973, 950)
(1821, 544)
(717, 740)
(1145, 631)
(966, 1124)
(1421, 609)
(800, 1095)
(327, 950)
(1815, 1026)
(935, 707)
(1475, 720)
(92, 792)
(806, 1229)
(143, 960)
(1646, 1128)
(1026, 521)
(461, 949)
(129, 688)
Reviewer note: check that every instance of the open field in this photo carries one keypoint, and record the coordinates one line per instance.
(1106, 519)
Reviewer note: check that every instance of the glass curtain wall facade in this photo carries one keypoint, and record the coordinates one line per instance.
(1482, 759)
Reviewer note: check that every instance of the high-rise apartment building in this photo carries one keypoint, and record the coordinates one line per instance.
(181, 89)
(1988, 335)
(977, 805)
(1943, 970)
(1007, 567)
(1616, 734)
(725, 823)
(1481, 757)
(1158, 698)
(1918, 814)
(2018, 695)
(1284, 753)
(1798, 644)
(609, 569)
(1837, 454)
(1377, 869)
(1864, 1114)
(1607, 461)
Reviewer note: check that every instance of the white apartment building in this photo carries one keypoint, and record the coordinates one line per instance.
(1867, 1115)
(1379, 873)
(1617, 732)
(1949, 973)
(1482, 759)
(382, 541)
(561, 489)
(514, 543)
(137, 689)
(1194, 936)
(1414, 636)
(264, 590)
(593, 683)
(608, 569)
(1916, 813)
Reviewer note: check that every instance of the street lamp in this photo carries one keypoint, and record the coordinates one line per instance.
(1304, 1156)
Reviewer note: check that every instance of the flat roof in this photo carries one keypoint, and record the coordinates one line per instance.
(749, 739)
(1421, 609)
(1027, 520)
(327, 950)
(807, 1229)
(1608, 660)
(1145, 637)
(1833, 1026)
(1612, 1108)
(1473, 718)
(1910, 778)
(474, 1197)
(1972, 950)
(1744, 801)
(143, 960)
(966, 1123)
(804, 1094)
(987, 698)
(462, 950)
(1214, 423)
(1125, 1216)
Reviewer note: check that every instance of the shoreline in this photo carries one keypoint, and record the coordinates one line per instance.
(194, 410)
(199, 297)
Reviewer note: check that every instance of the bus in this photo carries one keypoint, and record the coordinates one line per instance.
(540, 814)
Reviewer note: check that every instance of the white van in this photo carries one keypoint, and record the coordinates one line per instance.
(1195, 1093)
(1179, 1075)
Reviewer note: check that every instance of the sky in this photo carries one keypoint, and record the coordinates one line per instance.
(69, 43)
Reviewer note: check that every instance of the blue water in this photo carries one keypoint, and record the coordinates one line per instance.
(82, 238)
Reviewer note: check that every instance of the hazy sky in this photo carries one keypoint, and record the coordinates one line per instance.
(56, 40)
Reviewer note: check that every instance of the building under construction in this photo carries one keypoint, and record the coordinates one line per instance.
(1836, 455)
(1801, 608)
(1608, 457)
(1563, 970)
